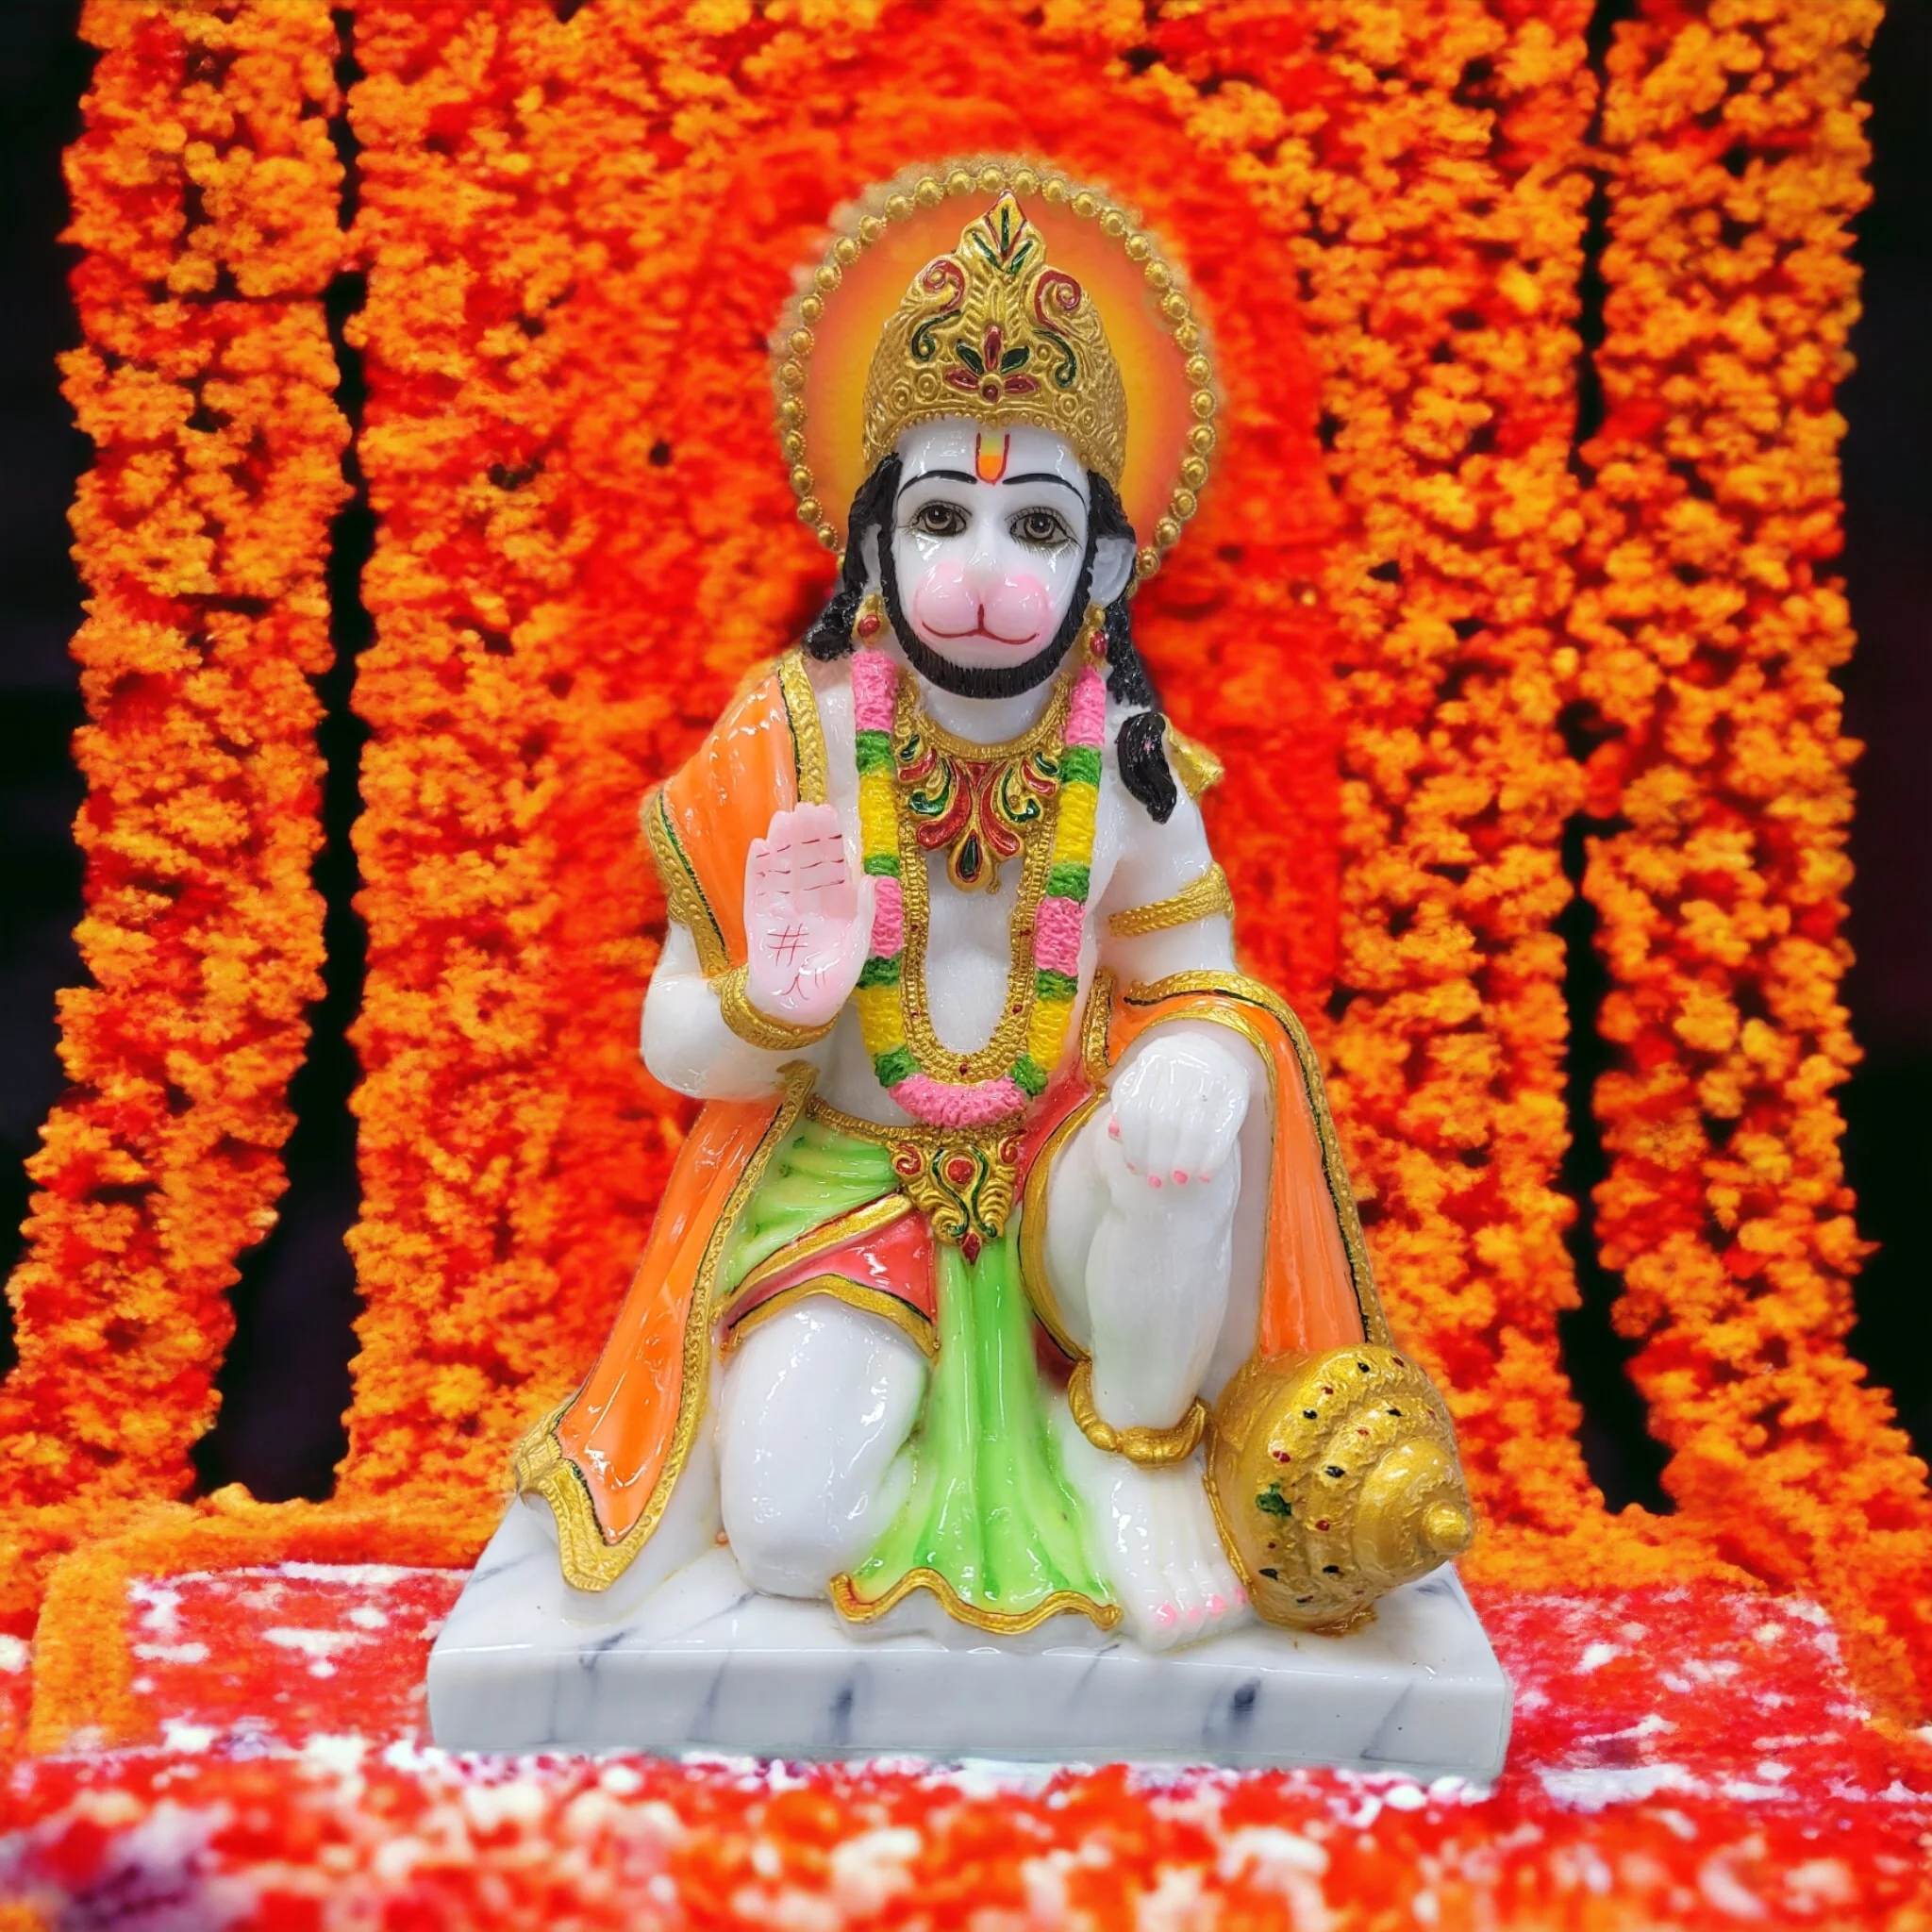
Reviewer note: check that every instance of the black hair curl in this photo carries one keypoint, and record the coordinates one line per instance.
(830, 635)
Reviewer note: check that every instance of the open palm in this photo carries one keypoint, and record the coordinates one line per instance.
(808, 917)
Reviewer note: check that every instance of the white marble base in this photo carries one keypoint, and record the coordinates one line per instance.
(707, 1665)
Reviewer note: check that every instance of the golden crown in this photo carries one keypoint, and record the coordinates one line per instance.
(994, 332)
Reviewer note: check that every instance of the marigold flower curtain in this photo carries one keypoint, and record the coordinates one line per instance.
(1424, 627)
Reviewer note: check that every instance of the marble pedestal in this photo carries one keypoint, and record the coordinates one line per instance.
(705, 1665)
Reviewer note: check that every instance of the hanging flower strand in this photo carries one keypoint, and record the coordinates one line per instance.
(205, 192)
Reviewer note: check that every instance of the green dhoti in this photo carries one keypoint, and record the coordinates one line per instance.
(991, 1526)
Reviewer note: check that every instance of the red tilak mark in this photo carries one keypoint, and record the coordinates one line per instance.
(991, 463)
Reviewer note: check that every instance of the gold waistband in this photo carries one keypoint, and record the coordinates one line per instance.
(962, 1179)
(908, 1133)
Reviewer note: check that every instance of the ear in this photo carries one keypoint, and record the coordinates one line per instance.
(868, 555)
(1114, 564)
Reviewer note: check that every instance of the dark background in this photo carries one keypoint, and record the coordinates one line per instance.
(286, 1382)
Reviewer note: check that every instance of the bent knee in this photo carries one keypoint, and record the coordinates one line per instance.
(816, 1413)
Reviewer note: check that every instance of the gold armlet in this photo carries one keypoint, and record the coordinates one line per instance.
(1150, 1448)
(760, 1029)
(1202, 898)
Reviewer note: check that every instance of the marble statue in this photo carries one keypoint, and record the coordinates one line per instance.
(1009, 1283)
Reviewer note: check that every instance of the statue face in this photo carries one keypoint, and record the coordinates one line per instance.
(989, 535)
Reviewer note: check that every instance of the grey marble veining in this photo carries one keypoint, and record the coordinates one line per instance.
(706, 1665)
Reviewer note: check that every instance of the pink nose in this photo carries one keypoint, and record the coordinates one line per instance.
(1016, 609)
(951, 601)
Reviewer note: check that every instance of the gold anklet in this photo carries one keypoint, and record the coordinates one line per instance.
(1150, 1448)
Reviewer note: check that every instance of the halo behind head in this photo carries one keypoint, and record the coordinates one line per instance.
(1142, 323)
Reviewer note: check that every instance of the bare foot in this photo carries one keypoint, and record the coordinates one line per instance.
(1157, 1542)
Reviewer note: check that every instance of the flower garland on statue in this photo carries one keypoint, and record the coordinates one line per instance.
(1051, 929)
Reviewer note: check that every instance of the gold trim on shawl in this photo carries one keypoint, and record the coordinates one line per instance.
(1197, 767)
(1238, 986)
(590, 1561)
(869, 1301)
(684, 898)
(1095, 1025)
(869, 1218)
(807, 734)
(858, 1610)
(1200, 898)
(1035, 1278)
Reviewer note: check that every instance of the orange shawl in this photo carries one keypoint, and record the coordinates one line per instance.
(607, 1461)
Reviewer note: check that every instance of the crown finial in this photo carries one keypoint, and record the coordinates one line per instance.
(992, 331)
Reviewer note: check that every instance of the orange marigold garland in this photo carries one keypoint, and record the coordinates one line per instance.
(205, 192)
(1712, 628)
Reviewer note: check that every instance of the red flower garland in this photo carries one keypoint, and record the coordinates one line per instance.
(205, 192)
(292, 1790)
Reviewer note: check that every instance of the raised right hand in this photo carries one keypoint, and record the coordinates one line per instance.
(808, 917)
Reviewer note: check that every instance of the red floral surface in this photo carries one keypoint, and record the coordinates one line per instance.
(1683, 1756)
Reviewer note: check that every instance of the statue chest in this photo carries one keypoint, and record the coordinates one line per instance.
(973, 958)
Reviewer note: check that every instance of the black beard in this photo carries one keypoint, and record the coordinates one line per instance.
(982, 680)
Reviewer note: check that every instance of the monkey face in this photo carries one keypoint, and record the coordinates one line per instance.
(990, 538)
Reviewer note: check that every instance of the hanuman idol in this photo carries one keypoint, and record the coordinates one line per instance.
(1010, 1271)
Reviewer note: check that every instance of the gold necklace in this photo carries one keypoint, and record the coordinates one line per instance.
(983, 804)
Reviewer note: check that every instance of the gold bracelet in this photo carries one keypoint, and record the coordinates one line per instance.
(1150, 1448)
(760, 1029)
(1200, 898)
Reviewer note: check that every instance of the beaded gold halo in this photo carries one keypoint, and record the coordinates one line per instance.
(892, 234)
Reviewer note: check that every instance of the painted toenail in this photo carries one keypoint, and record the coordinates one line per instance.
(1216, 1604)
(1180, 1178)
(1164, 1615)
(1153, 1180)
(1113, 1130)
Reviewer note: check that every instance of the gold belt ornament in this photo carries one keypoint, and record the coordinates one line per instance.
(962, 1182)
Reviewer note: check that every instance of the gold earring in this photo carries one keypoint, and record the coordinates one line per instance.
(1095, 638)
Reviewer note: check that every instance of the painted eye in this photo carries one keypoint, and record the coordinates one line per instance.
(1045, 529)
(940, 518)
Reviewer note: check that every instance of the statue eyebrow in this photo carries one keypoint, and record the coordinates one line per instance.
(1038, 476)
(926, 475)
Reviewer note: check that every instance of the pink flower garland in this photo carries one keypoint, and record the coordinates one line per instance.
(1059, 925)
